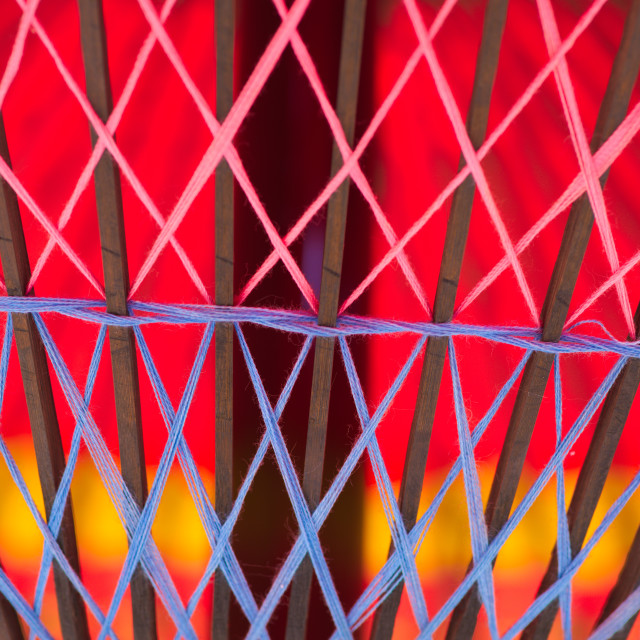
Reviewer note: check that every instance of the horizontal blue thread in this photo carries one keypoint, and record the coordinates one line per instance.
(306, 324)
(402, 562)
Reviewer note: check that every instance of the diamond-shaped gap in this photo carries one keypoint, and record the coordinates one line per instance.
(176, 527)
(55, 122)
(401, 163)
(76, 340)
(528, 183)
(21, 541)
(9, 30)
(591, 59)
(102, 542)
(286, 187)
(164, 165)
(267, 527)
(183, 544)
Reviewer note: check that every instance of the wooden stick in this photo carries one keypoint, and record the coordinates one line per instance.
(40, 404)
(591, 479)
(628, 581)
(436, 350)
(348, 84)
(554, 313)
(9, 622)
(116, 278)
(224, 25)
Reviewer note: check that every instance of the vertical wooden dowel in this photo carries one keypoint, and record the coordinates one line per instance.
(116, 279)
(554, 313)
(453, 253)
(347, 101)
(40, 405)
(224, 17)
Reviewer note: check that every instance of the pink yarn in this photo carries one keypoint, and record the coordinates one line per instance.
(350, 162)
(106, 138)
(515, 110)
(469, 152)
(223, 139)
(603, 158)
(585, 159)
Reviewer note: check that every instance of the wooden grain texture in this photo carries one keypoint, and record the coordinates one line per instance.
(124, 362)
(574, 243)
(224, 35)
(453, 253)
(40, 406)
(347, 100)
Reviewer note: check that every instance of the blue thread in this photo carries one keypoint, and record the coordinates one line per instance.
(389, 503)
(400, 565)
(477, 526)
(143, 530)
(297, 553)
(59, 503)
(564, 542)
(298, 502)
(124, 503)
(388, 577)
(305, 324)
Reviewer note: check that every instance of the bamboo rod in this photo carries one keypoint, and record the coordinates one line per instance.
(453, 253)
(40, 404)
(224, 34)
(574, 243)
(348, 84)
(116, 278)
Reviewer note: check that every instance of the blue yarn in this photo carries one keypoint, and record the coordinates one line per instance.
(389, 576)
(389, 503)
(519, 512)
(122, 499)
(477, 525)
(298, 502)
(246, 484)
(400, 566)
(59, 503)
(306, 324)
(564, 541)
(143, 530)
(217, 535)
(297, 553)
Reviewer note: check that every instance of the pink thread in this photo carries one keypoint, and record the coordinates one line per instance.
(468, 151)
(613, 279)
(515, 110)
(334, 182)
(231, 154)
(585, 159)
(302, 54)
(87, 172)
(23, 194)
(17, 51)
(604, 157)
(102, 132)
(227, 131)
